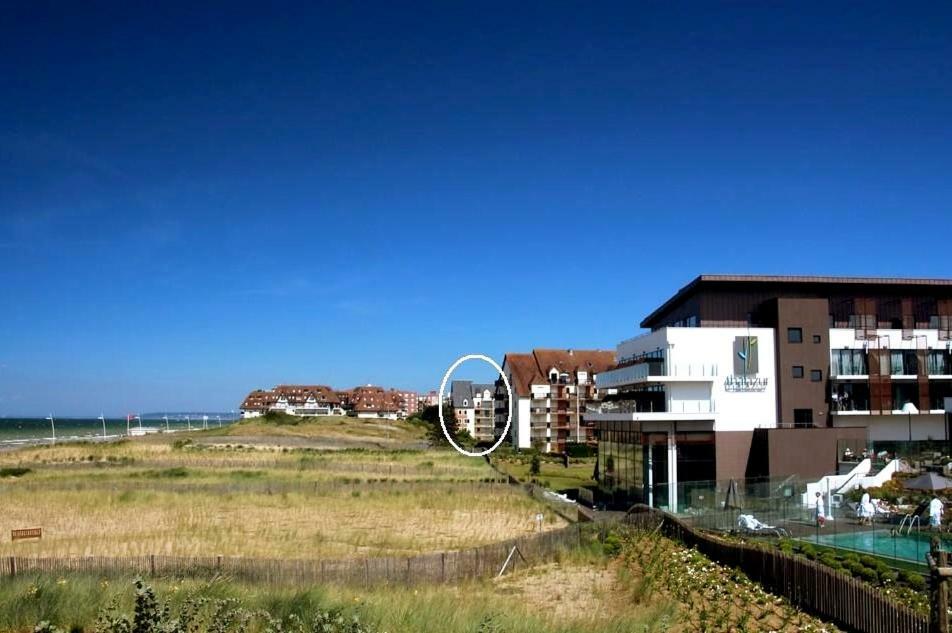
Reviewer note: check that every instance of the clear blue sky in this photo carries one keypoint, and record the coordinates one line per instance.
(196, 202)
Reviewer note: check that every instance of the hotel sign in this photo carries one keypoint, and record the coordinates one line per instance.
(745, 383)
(746, 365)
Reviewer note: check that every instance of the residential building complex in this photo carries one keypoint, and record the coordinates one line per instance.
(429, 399)
(474, 407)
(757, 376)
(302, 400)
(551, 390)
(316, 400)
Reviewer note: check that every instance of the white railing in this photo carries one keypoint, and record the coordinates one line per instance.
(642, 371)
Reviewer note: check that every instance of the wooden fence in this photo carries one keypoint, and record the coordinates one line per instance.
(438, 567)
(811, 586)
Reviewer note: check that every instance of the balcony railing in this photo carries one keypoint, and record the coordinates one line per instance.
(642, 371)
(632, 406)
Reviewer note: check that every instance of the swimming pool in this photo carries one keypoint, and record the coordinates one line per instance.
(910, 547)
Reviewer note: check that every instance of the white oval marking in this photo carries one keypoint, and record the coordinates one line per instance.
(446, 376)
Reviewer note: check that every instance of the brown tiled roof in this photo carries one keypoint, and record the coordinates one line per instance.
(530, 369)
(259, 399)
(524, 371)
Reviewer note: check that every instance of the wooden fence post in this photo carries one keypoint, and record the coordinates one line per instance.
(939, 590)
(152, 564)
(13, 566)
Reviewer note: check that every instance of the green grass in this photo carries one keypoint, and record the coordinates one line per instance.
(552, 473)
(72, 602)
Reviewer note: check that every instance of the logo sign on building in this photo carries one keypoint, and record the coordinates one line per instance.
(745, 356)
(746, 366)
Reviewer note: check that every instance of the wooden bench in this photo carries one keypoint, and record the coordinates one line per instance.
(25, 533)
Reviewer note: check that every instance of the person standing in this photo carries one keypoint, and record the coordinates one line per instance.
(820, 510)
(935, 513)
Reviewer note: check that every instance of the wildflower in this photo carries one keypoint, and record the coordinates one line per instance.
(61, 581)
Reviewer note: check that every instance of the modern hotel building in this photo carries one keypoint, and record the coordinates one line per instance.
(762, 376)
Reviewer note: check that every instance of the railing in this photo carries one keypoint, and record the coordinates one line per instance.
(809, 585)
(642, 371)
(633, 406)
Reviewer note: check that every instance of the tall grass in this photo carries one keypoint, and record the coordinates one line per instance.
(73, 602)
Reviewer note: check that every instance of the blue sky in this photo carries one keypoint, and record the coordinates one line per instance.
(198, 201)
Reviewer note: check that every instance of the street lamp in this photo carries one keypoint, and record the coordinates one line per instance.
(53, 427)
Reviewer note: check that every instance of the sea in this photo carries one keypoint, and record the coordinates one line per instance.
(27, 431)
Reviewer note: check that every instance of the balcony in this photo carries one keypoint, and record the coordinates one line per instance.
(637, 411)
(656, 372)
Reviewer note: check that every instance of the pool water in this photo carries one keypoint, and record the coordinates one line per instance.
(907, 547)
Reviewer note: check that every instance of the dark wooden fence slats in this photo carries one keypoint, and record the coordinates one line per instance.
(439, 567)
(808, 585)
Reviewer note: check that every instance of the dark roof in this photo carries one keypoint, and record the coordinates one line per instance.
(791, 282)
(483, 386)
(461, 391)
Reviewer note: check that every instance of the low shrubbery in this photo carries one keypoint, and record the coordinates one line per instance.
(223, 615)
(14, 471)
(907, 584)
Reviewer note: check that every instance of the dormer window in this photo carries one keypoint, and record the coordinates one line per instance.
(553, 375)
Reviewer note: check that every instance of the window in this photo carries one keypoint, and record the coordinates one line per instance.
(849, 362)
(904, 363)
(803, 418)
(817, 339)
(798, 371)
(940, 362)
(816, 375)
(794, 335)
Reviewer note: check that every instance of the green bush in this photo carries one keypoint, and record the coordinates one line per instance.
(612, 545)
(535, 466)
(581, 450)
(14, 471)
(912, 580)
(808, 550)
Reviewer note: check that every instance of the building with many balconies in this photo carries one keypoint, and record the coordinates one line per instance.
(551, 390)
(765, 376)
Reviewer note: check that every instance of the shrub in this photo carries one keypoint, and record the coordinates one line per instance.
(808, 550)
(581, 450)
(612, 545)
(14, 471)
(535, 466)
(912, 580)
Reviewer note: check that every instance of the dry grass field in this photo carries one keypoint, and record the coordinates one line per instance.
(177, 495)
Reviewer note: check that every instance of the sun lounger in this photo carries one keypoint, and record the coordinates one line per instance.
(749, 525)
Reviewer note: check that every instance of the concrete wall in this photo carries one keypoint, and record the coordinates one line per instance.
(807, 453)
(732, 450)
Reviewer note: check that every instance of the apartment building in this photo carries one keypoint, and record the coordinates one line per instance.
(755, 376)
(429, 399)
(370, 401)
(474, 409)
(318, 400)
(301, 400)
(551, 390)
